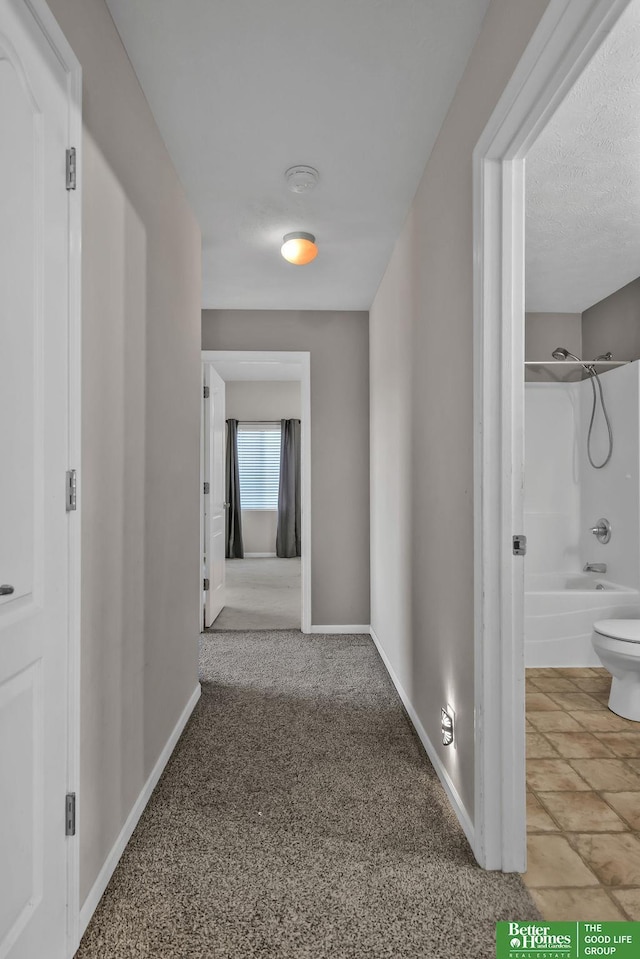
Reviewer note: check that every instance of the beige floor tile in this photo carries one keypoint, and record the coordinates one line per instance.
(629, 899)
(582, 812)
(575, 702)
(603, 721)
(576, 905)
(602, 697)
(540, 701)
(537, 819)
(533, 672)
(575, 745)
(577, 672)
(553, 721)
(554, 775)
(554, 684)
(595, 684)
(634, 763)
(530, 686)
(627, 805)
(538, 747)
(611, 775)
(625, 745)
(552, 862)
(614, 859)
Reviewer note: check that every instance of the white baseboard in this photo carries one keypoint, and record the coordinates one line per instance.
(339, 630)
(451, 791)
(259, 555)
(112, 860)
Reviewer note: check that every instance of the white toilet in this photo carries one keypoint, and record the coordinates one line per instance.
(617, 644)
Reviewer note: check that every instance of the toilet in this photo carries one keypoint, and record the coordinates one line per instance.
(617, 644)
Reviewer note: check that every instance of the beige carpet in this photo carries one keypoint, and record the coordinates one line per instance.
(261, 593)
(299, 819)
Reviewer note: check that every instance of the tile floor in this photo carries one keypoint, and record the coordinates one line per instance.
(583, 798)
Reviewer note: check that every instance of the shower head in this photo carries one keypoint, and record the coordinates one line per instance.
(561, 354)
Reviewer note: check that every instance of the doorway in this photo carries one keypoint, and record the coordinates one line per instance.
(569, 34)
(263, 467)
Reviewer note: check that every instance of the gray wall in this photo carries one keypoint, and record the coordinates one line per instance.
(140, 433)
(339, 348)
(422, 412)
(543, 332)
(262, 400)
(614, 324)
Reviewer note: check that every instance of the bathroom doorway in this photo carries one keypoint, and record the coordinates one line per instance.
(551, 74)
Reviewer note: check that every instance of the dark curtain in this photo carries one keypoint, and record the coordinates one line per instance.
(288, 536)
(234, 548)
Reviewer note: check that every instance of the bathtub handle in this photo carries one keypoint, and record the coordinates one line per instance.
(602, 530)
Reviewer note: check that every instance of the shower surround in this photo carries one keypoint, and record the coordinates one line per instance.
(564, 499)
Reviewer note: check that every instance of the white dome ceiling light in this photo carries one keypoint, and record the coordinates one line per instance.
(301, 178)
(299, 248)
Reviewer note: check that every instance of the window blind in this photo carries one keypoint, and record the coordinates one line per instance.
(259, 464)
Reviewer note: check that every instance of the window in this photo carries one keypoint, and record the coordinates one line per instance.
(259, 464)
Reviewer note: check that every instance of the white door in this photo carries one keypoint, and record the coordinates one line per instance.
(214, 511)
(34, 434)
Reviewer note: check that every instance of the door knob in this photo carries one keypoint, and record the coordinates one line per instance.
(6, 590)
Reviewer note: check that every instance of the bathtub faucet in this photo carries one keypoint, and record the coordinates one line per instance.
(595, 568)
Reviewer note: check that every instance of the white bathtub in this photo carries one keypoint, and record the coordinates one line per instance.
(560, 610)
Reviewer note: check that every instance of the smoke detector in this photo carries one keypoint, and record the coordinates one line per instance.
(301, 179)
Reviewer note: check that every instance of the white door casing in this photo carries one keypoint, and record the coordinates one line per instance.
(213, 502)
(39, 543)
(569, 33)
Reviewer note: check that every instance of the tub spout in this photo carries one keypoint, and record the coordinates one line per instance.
(594, 568)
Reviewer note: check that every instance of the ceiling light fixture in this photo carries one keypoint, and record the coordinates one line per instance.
(299, 248)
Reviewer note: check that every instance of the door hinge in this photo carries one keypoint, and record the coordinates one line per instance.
(206, 392)
(70, 814)
(519, 544)
(71, 168)
(207, 487)
(71, 490)
(205, 584)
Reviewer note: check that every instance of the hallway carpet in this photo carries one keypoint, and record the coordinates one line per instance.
(299, 819)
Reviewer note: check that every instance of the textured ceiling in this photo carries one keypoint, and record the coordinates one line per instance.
(244, 89)
(583, 183)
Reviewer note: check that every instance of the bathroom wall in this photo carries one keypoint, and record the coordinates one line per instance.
(261, 400)
(544, 331)
(614, 324)
(614, 491)
(565, 495)
(552, 482)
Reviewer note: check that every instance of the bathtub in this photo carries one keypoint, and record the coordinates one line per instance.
(560, 610)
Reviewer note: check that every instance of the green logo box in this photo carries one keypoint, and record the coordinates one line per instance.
(567, 940)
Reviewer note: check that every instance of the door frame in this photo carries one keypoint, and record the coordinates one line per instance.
(303, 361)
(568, 35)
(50, 28)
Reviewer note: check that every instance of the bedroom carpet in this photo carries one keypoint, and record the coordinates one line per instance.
(264, 593)
(299, 818)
